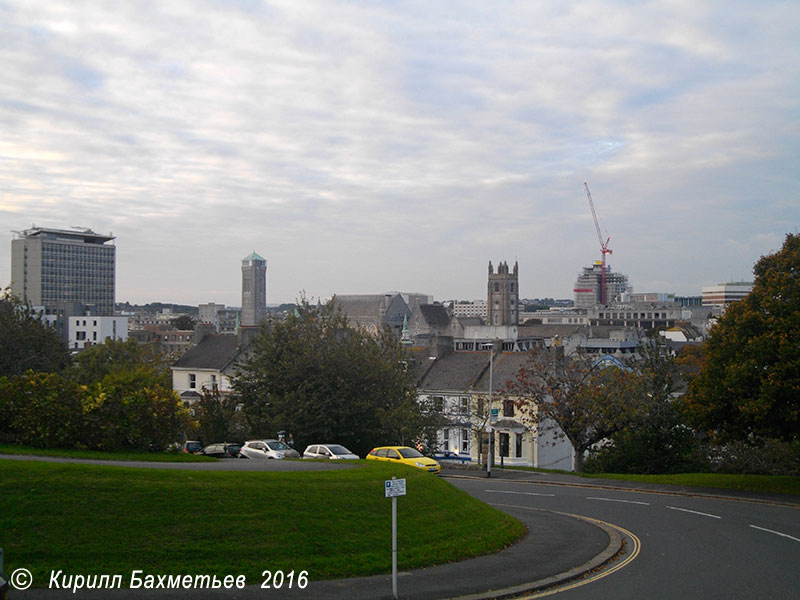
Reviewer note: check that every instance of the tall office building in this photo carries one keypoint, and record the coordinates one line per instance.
(54, 268)
(503, 297)
(254, 289)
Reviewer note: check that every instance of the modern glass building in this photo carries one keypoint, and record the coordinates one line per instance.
(53, 267)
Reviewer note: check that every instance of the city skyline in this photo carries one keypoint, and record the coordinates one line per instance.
(364, 148)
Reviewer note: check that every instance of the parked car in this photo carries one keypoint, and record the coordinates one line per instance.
(192, 446)
(222, 450)
(405, 455)
(267, 449)
(329, 451)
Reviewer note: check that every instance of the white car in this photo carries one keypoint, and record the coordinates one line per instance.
(330, 451)
(267, 449)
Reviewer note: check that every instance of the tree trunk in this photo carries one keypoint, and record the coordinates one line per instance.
(578, 461)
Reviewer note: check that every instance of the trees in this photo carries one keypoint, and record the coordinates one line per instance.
(183, 322)
(26, 342)
(589, 400)
(749, 385)
(115, 356)
(324, 381)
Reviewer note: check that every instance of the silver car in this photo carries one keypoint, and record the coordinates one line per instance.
(267, 449)
(329, 451)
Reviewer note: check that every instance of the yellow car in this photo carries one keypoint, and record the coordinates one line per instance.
(405, 455)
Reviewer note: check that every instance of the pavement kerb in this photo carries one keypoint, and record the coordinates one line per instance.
(615, 546)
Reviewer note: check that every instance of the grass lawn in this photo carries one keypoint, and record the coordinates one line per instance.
(98, 455)
(768, 484)
(94, 519)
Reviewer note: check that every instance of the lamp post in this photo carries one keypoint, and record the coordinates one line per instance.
(490, 454)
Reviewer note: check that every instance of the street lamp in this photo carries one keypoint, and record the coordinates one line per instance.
(490, 454)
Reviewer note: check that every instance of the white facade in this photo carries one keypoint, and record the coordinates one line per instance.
(89, 331)
(556, 317)
(476, 308)
(193, 379)
(514, 443)
(725, 293)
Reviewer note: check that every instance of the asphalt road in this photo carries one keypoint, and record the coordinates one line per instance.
(691, 547)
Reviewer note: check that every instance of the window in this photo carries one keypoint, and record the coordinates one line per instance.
(508, 408)
(80, 335)
(446, 436)
(518, 449)
(214, 382)
(465, 441)
(496, 287)
(192, 381)
(464, 405)
(437, 403)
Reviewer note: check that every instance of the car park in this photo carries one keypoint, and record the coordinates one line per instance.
(271, 449)
(329, 451)
(406, 456)
(222, 450)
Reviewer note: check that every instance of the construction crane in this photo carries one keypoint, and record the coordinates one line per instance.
(604, 249)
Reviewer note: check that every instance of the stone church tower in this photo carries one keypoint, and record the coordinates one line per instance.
(502, 306)
(254, 289)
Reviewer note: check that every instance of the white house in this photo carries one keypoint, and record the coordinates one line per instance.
(84, 331)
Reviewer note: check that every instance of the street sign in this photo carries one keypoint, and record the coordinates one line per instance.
(395, 487)
(494, 415)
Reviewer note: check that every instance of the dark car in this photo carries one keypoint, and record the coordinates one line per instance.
(222, 450)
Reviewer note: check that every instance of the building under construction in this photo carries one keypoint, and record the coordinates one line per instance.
(588, 287)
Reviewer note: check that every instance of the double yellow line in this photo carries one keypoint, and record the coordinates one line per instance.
(629, 557)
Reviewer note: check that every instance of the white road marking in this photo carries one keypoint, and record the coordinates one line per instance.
(786, 535)
(694, 512)
(522, 493)
(616, 500)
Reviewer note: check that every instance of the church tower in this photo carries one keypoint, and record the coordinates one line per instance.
(254, 289)
(502, 306)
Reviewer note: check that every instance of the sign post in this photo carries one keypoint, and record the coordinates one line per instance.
(393, 488)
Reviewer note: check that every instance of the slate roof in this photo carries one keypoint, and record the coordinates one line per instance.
(469, 371)
(506, 366)
(456, 371)
(213, 352)
(435, 314)
(367, 305)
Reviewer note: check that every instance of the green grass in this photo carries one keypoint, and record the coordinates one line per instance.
(94, 519)
(98, 455)
(768, 484)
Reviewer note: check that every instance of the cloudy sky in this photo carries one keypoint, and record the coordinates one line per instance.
(368, 146)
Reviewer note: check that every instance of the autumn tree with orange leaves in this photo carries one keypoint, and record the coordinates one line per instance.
(589, 399)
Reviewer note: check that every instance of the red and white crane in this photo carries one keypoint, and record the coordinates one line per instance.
(604, 249)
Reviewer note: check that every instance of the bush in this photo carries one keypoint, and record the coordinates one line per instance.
(126, 410)
(43, 410)
(771, 457)
(660, 444)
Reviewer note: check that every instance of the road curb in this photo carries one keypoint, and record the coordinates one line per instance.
(614, 548)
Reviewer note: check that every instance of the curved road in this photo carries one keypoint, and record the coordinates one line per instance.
(691, 547)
